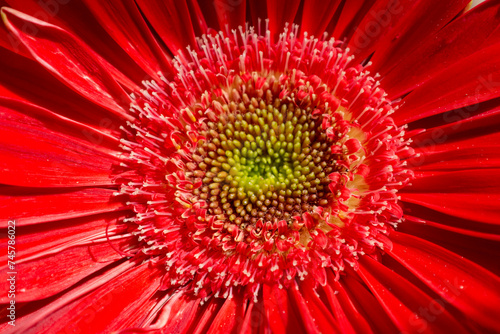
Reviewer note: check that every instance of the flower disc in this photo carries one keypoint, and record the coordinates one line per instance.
(262, 163)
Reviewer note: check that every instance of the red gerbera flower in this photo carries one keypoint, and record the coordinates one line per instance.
(233, 166)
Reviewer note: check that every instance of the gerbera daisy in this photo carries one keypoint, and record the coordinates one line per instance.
(235, 166)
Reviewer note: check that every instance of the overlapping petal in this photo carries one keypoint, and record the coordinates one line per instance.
(49, 158)
(69, 60)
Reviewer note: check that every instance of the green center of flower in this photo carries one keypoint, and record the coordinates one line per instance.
(267, 161)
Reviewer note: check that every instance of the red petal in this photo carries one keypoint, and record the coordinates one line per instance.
(37, 208)
(69, 60)
(198, 19)
(230, 316)
(178, 314)
(27, 81)
(483, 252)
(380, 21)
(75, 18)
(9, 42)
(317, 14)
(230, 14)
(460, 282)
(207, 10)
(446, 147)
(281, 317)
(349, 318)
(458, 156)
(478, 207)
(123, 21)
(410, 308)
(207, 315)
(459, 39)
(453, 224)
(350, 12)
(305, 313)
(46, 239)
(421, 23)
(102, 134)
(258, 10)
(45, 313)
(367, 303)
(172, 21)
(47, 158)
(118, 304)
(44, 277)
(400, 314)
(469, 81)
(469, 194)
(322, 315)
(255, 320)
(281, 12)
(463, 181)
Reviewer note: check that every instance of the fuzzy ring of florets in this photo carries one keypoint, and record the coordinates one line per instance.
(261, 163)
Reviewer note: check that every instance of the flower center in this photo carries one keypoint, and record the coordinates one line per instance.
(261, 163)
(264, 161)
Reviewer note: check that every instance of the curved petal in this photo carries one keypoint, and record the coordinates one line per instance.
(281, 317)
(45, 310)
(469, 194)
(462, 37)
(351, 13)
(349, 317)
(172, 21)
(206, 315)
(450, 146)
(482, 251)
(471, 80)
(421, 23)
(317, 14)
(367, 304)
(321, 314)
(459, 282)
(258, 10)
(43, 240)
(49, 275)
(110, 307)
(198, 19)
(27, 81)
(103, 134)
(409, 307)
(454, 224)
(48, 158)
(477, 207)
(178, 314)
(438, 158)
(123, 21)
(74, 17)
(230, 316)
(304, 311)
(67, 58)
(380, 21)
(209, 13)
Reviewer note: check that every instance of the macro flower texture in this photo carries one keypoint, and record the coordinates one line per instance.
(235, 166)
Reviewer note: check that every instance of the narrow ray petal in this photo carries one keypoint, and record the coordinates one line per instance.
(70, 61)
(458, 281)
